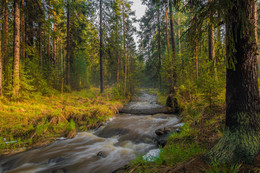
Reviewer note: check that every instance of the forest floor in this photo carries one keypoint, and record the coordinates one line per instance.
(40, 120)
(204, 126)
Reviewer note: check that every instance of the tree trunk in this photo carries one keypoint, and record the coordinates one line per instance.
(54, 39)
(40, 43)
(101, 52)
(256, 35)
(240, 141)
(6, 41)
(168, 46)
(68, 44)
(211, 45)
(159, 46)
(179, 34)
(218, 41)
(49, 37)
(16, 77)
(196, 40)
(211, 38)
(1, 66)
(118, 69)
(30, 25)
(173, 44)
(23, 33)
(125, 57)
(197, 57)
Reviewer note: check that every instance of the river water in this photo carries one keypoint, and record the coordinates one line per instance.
(104, 150)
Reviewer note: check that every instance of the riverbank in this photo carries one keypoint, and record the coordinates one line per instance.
(105, 149)
(40, 120)
(204, 125)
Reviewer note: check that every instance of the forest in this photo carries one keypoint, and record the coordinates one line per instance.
(93, 86)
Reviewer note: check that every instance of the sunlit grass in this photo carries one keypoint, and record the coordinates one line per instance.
(40, 118)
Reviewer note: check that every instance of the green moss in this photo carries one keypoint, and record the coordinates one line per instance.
(240, 144)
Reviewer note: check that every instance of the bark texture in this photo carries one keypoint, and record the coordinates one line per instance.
(211, 38)
(241, 139)
(211, 43)
(5, 40)
(101, 51)
(54, 39)
(179, 34)
(23, 32)
(196, 40)
(125, 56)
(49, 33)
(159, 45)
(168, 46)
(16, 66)
(40, 43)
(68, 44)
(173, 53)
(1, 66)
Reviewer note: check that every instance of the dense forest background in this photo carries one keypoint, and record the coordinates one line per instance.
(48, 45)
(58, 44)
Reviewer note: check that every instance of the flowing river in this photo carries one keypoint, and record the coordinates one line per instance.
(104, 150)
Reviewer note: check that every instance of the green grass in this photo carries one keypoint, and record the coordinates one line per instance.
(39, 118)
(216, 167)
(176, 153)
(180, 149)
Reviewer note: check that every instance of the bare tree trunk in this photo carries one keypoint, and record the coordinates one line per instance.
(30, 26)
(101, 51)
(118, 69)
(54, 40)
(173, 44)
(23, 33)
(211, 45)
(211, 38)
(125, 57)
(179, 34)
(1, 66)
(197, 58)
(55, 45)
(49, 37)
(16, 76)
(68, 44)
(159, 45)
(196, 41)
(168, 46)
(6, 41)
(240, 141)
(219, 44)
(54, 51)
(256, 35)
(40, 43)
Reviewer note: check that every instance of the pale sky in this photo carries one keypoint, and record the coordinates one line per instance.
(139, 12)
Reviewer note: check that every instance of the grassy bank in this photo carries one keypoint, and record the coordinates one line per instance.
(204, 120)
(39, 120)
